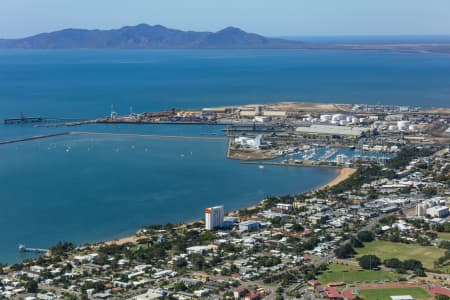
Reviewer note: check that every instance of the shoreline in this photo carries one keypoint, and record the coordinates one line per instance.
(343, 174)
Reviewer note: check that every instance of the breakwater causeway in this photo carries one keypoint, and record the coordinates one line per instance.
(136, 135)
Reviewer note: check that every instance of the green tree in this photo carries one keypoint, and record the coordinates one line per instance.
(369, 262)
(412, 264)
(344, 251)
(392, 263)
(198, 261)
(365, 236)
(31, 286)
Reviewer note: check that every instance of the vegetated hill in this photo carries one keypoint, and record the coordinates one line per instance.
(144, 36)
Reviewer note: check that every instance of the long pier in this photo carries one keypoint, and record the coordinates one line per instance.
(32, 138)
(22, 248)
(151, 136)
(25, 120)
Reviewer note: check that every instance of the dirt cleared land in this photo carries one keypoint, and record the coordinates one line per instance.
(295, 106)
(251, 155)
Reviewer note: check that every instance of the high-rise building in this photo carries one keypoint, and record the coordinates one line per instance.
(214, 217)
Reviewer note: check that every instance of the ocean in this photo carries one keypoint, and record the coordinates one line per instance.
(88, 189)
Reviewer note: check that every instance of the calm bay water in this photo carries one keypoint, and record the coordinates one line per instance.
(86, 188)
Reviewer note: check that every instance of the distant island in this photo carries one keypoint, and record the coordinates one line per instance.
(145, 36)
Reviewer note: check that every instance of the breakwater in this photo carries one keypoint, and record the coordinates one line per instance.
(151, 136)
(32, 138)
(298, 165)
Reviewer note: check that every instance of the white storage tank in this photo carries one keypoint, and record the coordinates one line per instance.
(392, 128)
(338, 117)
(403, 125)
(325, 118)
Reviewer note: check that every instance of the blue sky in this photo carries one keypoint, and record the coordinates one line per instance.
(269, 17)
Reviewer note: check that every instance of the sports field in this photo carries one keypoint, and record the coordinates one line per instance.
(385, 294)
(384, 250)
(444, 235)
(349, 274)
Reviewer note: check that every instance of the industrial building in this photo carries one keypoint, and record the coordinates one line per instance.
(332, 130)
(214, 217)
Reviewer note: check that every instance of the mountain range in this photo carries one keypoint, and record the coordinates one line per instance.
(144, 36)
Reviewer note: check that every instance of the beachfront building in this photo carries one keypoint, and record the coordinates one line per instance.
(214, 217)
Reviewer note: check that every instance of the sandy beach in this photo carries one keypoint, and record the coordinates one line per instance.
(343, 174)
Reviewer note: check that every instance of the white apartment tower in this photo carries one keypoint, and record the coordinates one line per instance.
(214, 217)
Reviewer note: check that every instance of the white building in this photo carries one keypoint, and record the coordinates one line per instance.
(249, 226)
(341, 159)
(421, 210)
(262, 119)
(214, 217)
(285, 206)
(438, 211)
(252, 143)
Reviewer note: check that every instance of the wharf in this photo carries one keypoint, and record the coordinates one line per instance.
(26, 120)
(22, 120)
(297, 165)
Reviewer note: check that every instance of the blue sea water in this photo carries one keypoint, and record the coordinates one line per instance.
(86, 188)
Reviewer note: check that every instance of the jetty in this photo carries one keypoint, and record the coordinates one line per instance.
(32, 138)
(150, 136)
(298, 164)
(22, 248)
(24, 120)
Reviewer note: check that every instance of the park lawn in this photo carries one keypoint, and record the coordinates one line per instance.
(444, 235)
(385, 294)
(384, 250)
(348, 274)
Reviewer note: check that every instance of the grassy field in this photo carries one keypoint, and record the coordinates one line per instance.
(337, 272)
(444, 235)
(385, 294)
(383, 249)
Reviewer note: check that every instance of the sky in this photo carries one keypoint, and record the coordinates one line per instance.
(20, 18)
